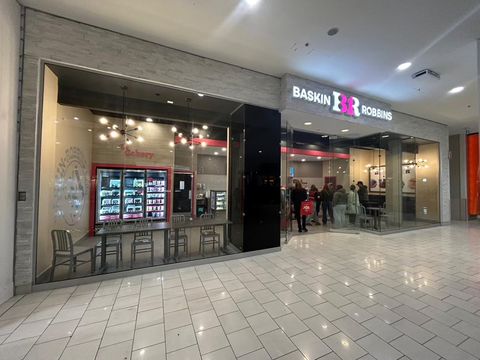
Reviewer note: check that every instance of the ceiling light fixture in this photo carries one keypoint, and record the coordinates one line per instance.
(224, 149)
(252, 2)
(201, 95)
(308, 123)
(456, 90)
(149, 120)
(170, 101)
(192, 134)
(174, 129)
(76, 118)
(404, 66)
(205, 127)
(319, 157)
(215, 153)
(303, 159)
(89, 129)
(324, 136)
(127, 130)
(345, 130)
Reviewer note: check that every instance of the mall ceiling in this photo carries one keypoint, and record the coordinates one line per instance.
(374, 37)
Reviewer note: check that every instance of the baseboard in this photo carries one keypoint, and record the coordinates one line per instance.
(149, 270)
(6, 292)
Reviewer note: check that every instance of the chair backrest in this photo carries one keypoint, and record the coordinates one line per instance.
(113, 224)
(177, 218)
(207, 217)
(62, 240)
(143, 223)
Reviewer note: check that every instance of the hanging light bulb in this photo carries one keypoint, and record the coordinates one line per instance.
(140, 139)
(195, 131)
(172, 144)
(200, 136)
(204, 127)
(204, 144)
(103, 121)
(103, 137)
(129, 122)
(114, 126)
(174, 129)
(114, 134)
(183, 141)
(140, 128)
(180, 134)
(191, 147)
(128, 141)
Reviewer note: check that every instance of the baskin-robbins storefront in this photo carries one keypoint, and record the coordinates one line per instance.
(125, 144)
(400, 162)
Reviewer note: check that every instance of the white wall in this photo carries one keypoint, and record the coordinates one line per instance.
(9, 60)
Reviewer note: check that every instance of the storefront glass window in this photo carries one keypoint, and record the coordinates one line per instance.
(119, 152)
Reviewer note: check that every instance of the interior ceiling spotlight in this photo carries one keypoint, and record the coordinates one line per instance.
(204, 127)
(215, 153)
(303, 159)
(76, 118)
(149, 119)
(404, 66)
(333, 31)
(345, 130)
(456, 90)
(224, 149)
(319, 157)
(252, 2)
(170, 101)
(201, 95)
(324, 136)
(174, 129)
(307, 123)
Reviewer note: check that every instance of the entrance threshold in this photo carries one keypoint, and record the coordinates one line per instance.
(346, 231)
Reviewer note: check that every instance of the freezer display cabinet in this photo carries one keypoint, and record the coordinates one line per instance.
(108, 194)
(218, 200)
(156, 189)
(133, 194)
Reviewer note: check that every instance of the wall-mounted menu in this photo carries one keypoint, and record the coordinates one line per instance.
(156, 194)
(108, 194)
(133, 190)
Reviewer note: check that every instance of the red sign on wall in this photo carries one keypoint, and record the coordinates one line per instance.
(129, 152)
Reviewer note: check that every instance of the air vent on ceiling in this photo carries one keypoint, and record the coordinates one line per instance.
(426, 74)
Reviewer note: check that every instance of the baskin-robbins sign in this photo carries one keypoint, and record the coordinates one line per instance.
(301, 94)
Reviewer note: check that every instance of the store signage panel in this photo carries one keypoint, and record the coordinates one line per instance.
(339, 102)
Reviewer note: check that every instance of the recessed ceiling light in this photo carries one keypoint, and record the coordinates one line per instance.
(76, 118)
(170, 101)
(55, 121)
(204, 127)
(174, 129)
(456, 90)
(404, 66)
(103, 120)
(324, 136)
(215, 153)
(260, 151)
(201, 95)
(319, 157)
(345, 130)
(303, 159)
(89, 129)
(332, 31)
(308, 123)
(149, 119)
(385, 136)
(292, 155)
(224, 149)
(252, 2)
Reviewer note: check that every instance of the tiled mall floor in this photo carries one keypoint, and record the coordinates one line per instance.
(326, 296)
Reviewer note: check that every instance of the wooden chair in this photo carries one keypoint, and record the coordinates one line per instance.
(113, 241)
(63, 247)
(142, 240)
(208, 235)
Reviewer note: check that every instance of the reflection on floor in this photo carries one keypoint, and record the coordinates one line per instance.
(142, 260)
(325, 296)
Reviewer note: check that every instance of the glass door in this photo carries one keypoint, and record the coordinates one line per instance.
(156, 187)
(108, 195)
(133, 194)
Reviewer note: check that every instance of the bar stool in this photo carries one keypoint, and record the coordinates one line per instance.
(63, 248)
(142, 240)
(113, 241)
(182, 235)
(208, 235)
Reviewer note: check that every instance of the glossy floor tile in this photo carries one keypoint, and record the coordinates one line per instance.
(325, 296)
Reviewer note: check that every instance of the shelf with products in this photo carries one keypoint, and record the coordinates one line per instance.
(133, 194)
(108, 196)
(156, 187)
(218, 200)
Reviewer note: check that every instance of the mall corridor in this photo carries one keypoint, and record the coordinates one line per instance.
(414, 295)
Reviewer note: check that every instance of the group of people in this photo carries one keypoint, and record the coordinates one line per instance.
(335, 202)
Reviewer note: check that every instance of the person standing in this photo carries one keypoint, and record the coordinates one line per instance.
(362, 193)
(353, 202)
(326, 198)
(312, 197)
(339, 207)
(298, 195)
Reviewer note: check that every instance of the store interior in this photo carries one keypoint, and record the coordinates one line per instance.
(115, 149)
(401, 173)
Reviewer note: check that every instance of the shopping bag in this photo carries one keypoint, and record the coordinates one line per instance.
(306, 208)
